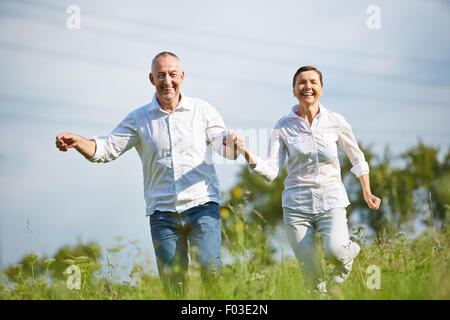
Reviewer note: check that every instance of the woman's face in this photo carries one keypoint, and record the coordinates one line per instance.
(307, 88)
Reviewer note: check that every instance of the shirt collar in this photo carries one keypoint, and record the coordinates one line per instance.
(182, 106)
(292, 113)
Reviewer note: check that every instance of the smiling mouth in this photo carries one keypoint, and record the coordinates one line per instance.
(308, 94)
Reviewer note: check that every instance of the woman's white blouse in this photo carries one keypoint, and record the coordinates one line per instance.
(313, 183)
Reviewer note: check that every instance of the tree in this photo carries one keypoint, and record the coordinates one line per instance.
(409, 192)
(379, 222)
(420, 189)
(262, 196)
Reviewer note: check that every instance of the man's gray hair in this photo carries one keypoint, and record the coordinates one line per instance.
(162, 54)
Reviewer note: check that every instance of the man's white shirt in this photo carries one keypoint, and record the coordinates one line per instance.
(175, 149)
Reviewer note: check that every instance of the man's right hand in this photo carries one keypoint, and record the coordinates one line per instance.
(235, 142)
(241, 147)
(239, 144)
(65, 141)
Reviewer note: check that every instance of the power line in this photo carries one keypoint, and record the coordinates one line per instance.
(51, 117)
(109, 62)
(246, 39)
(120, 64)
(106, 61)
(228, 53)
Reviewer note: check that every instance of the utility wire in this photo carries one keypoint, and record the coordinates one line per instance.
(241, 38)
(8, 114)
(116, 63)
(131, 37)
(226, 52)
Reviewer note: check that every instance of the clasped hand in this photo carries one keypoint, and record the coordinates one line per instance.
(235, 142)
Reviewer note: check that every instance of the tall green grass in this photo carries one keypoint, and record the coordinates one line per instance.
(409, 269)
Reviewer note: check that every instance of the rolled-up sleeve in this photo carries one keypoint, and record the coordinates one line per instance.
(271, 166)
(215, 129)
(348, 143)
(121, 139)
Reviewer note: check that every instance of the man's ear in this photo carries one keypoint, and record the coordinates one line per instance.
(150, 76)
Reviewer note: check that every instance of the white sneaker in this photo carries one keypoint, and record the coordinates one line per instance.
(341, 272)
(321, 290)
(321, 287)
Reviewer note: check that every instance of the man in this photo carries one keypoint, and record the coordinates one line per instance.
(173, 135)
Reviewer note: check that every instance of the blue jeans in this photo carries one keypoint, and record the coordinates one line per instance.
(173, 234)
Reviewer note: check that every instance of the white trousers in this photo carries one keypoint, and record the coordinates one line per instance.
(301, 230)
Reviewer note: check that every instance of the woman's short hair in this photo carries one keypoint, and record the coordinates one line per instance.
(307, 68)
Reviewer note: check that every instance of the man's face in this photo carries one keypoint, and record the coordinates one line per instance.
(307, 88)
(167, 78)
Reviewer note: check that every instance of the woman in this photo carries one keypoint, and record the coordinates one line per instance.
(314, 198)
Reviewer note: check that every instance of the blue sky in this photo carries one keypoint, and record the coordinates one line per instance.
(391, 84)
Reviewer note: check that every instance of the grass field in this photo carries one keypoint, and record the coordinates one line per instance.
(395, 268)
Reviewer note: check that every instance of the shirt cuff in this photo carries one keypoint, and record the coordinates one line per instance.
(360, 168)
(96, 157)
(217, 143)
(257, 167)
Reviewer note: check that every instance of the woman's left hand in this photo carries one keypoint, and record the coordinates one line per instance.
(372, 201)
